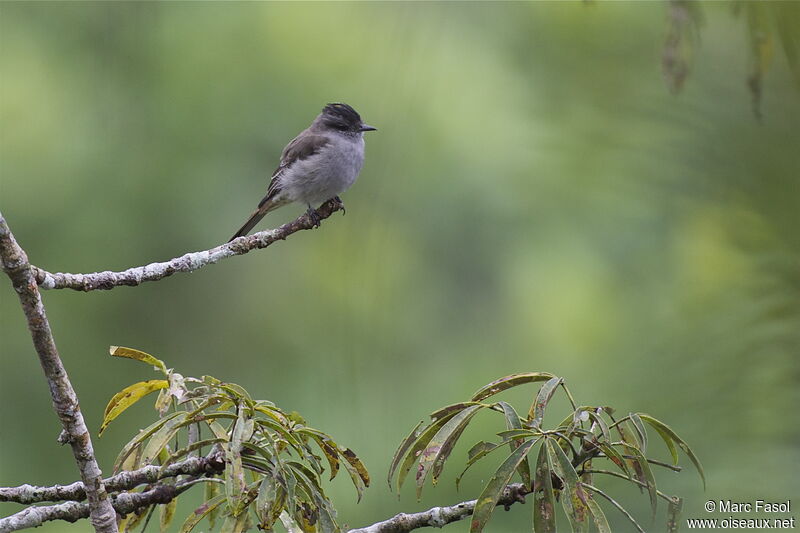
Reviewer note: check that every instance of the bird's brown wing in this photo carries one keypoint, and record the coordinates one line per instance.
(301, 147)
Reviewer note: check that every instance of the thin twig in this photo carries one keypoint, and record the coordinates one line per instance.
(633, 480)
(441, 516)
(186, 263)
(65, 401)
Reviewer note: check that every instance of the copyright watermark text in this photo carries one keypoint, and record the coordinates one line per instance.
(780, 518)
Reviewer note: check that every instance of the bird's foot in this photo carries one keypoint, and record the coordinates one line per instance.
(314, 216)
(340, 204)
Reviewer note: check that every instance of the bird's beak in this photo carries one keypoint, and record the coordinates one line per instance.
(367, 127)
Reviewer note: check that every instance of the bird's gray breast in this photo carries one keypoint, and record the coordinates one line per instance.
(325, 174)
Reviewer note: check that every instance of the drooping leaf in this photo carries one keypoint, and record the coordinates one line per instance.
(476, 453)
(138, 355)
(269, 503)
(328, 447)
(544, 511)
(663, 429)
(212, 490)
(401, 451)
(613, 502)
(644, 474)
(599, 518)
(513, 422)
(160, 439)
(449, 410)
(137, 441)
(129, 396)
(536, 413)
(487, 501)
(574, 500)
(508, 382)
(419, 445)
(356, 469)
(234, 472)
(615, 457)
(438, 449)
(638, 426)
(235, 524)
(601, 423)
(167, 513)
(193, 519)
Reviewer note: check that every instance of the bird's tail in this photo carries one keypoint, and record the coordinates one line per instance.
(266, 205)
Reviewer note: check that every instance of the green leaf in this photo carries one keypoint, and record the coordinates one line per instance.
(598, 517)
(574, 499)
(235, 484)
(601, 423)
(451, 409)
(167, 513)
(137, 441)
(617, 505)
(269, 503)
(662, 429)
(328, 447)
(508, 382)
(131, 353)
(644, 474)
(212, 490)
(441, 445)
(615, 457)
(401, 451)
(536, 413)
(487, 501)
(161, 438)
(636, 421)
(513, 422)
(193, 519)
(129, 396)
(235, 524)
(420, 444)
(356, 469)
(476, 453)
(544, 512)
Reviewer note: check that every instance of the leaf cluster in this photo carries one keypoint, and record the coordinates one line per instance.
(569, 455)
(274, 462)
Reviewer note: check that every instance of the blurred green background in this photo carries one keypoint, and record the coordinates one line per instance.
(535, 200)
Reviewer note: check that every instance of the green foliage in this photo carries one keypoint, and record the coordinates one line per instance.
(568, 457)
(273, 466)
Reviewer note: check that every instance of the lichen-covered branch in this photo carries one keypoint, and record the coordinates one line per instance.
(72, 511)
(65, 402)
(194, 466)
(441, 516)
(186, 263)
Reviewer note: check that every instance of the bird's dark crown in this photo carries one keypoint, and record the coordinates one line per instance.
(341, 117)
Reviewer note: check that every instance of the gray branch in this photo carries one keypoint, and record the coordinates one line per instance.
(65, 402)
(73, 511)
(194, 466)
(441, 516)
(186, 263)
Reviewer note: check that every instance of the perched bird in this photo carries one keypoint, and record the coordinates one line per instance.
(319, 164)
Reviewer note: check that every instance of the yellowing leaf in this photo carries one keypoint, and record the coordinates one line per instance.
(131, 353)
(129, 396)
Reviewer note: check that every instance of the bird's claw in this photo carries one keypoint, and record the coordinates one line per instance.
(340, 205)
